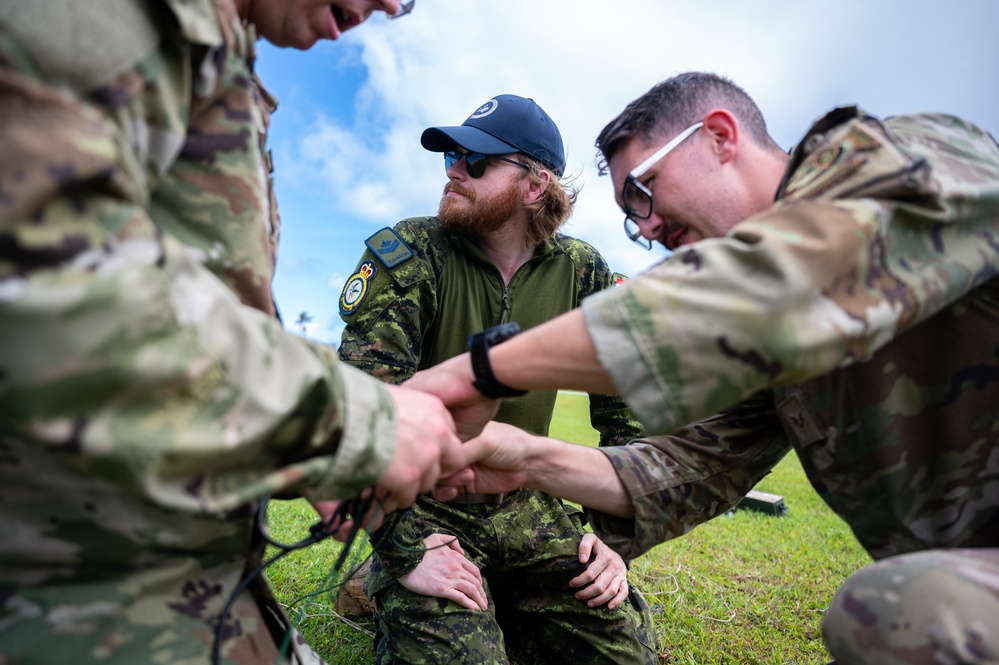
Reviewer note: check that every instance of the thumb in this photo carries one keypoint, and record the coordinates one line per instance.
(476, 449)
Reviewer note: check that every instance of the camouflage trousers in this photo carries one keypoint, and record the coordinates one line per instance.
(526, 549)
(939, 607)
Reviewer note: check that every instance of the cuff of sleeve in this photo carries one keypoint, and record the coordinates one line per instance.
(628, 356)
(368, 441)
(629, 537)
(398, 544)
(397, 563)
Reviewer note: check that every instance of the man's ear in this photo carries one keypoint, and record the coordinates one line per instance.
(537, 186)
(723, 130)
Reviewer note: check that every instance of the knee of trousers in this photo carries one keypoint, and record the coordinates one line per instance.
(944, 604)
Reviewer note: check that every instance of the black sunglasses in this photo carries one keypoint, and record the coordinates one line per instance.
(475, 162)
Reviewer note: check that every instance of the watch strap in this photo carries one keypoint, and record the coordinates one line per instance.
(478, 345)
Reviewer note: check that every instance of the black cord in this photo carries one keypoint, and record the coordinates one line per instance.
(318, 532)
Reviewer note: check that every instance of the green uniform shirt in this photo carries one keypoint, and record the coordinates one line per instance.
(421, 311)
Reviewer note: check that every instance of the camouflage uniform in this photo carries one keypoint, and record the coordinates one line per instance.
(414, 315)
(145, 410)
(857, 323)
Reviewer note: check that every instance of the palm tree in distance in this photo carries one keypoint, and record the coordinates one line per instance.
(304, 318)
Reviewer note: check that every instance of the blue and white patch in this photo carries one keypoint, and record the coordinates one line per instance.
(389, 247)
(485, 109)
(356, 288)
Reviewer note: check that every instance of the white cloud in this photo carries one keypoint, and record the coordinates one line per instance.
(336, 282)
(584, 61)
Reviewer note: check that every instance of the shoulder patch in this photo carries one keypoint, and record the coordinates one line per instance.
(356, 288)
(389, 247)
(618, 278)
(836, 158)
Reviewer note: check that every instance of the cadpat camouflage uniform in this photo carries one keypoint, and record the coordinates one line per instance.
(144, 411)
(858, 320)
(417, 295)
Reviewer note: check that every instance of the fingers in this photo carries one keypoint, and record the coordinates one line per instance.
(445, 572)
(457, 479)
(454, 457)
(586, 547)
(469, 596)
(342, 533)
(326, 509)
(426, 445)
(602, 563)
(476, 449)
(620, 596)
(451, 381)
(471, 419)
(456, 546)
(445, 494)
(470, 587)
(605, 579)
(339, 524)
(612, 591)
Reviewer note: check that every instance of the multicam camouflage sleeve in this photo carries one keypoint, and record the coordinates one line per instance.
(100, 305)
(878, 226)
(609, 415)
(144, 409)
(699, 472)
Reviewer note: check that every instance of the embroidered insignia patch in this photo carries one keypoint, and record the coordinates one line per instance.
(389, 247)
(356, 288)
(829, 165)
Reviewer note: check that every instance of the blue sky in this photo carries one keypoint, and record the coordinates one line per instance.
(346, 137)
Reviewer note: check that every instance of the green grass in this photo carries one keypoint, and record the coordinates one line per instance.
(744, 588)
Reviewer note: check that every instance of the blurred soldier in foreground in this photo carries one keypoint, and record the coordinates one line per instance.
(149, 398)
(842, 302)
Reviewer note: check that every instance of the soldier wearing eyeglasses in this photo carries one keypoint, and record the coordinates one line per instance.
(486, 575)
(841, 302)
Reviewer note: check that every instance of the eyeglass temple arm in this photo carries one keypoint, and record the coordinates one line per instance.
(658, 154)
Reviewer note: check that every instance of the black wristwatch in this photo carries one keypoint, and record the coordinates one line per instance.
(478, 344)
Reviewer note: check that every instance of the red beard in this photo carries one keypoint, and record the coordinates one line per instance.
(472, 218)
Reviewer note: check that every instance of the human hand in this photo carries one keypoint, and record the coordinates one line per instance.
(451, 381)
(444, 572)
(340, 524)
(499, 458)
(606, 577)
(426, 447)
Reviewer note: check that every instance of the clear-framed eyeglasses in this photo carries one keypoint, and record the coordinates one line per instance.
(636, 197)
(404, 8)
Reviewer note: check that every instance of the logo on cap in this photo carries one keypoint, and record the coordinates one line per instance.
(485, 109)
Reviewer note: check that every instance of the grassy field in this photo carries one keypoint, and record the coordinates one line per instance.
(744, 588)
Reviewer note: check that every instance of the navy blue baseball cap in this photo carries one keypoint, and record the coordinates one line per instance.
(503, 125)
